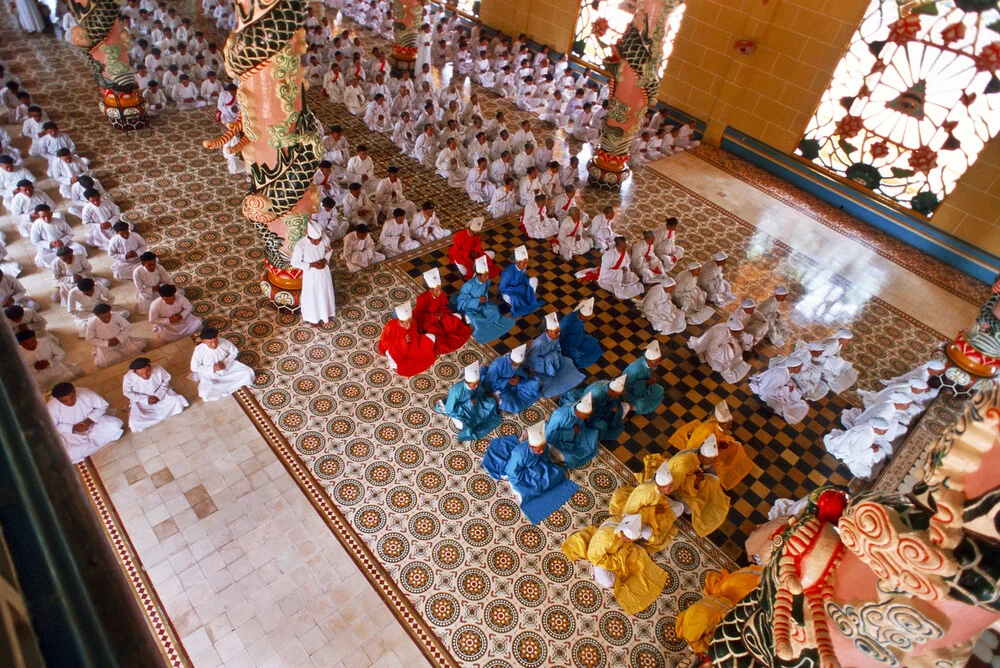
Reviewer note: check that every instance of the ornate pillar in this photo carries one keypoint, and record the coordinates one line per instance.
(99, 33)
(634, 83)
(407, 17)
(279, 138)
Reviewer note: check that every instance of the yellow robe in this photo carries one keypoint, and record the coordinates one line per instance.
(709, 504)
(732, 465)
(645, 500)
(638, 581)
(722, 592)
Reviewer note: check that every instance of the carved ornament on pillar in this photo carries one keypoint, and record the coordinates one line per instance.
(99, 32)
(278, 135)
(407, 17)
(634, 84)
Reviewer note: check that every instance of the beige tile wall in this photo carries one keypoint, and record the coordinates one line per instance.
(972, 211)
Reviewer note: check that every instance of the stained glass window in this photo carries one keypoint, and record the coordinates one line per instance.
(602, 22)
(913, 101)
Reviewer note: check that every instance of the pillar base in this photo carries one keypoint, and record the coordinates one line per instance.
(125, 111)
(282, 286)
(969, 370)
(403, 59)
(607, 177)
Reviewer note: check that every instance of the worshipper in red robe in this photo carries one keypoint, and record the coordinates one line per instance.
(433, 316)
(409, 351)
(466, 246)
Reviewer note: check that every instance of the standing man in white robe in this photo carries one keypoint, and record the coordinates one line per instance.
(148, 277)
(719, 348)
(125, 247)
(81, 418)
(44, 357)
(359, 250)
(658, 308)
(312, 255)
(691, 298)
(151, 401)
(776, 388)
(214, 366)
(714, 284)
(172, 315)
(616, 273)
(111, 336)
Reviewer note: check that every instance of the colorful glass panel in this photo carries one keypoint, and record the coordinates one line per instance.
(913, 101)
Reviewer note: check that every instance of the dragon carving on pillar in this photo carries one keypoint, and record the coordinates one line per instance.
(278, 136)
(99, 32)
(634, 83)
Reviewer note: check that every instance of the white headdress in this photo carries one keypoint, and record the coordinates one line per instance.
(710, 447)
(472, 373)
(878, 423)
(722, 413)
(668, 282)
(720, 256)
(482, 265)
(734, 325)
(476, 224)
(618, 384)
(781, 290)
(536, 433)
(433, 278)
(630, 527)
(935, 365)
(694, 265)
(586, 403)
(748, 303)
(653, 350)
(663, 475)
(314, 230)
(404, 311)
(844, 334)
(586, 307)
(520, 253)
(517, 354)
(552, 321)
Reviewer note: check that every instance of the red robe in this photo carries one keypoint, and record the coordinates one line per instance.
(411, 358)
(465, 248)
(434, 317)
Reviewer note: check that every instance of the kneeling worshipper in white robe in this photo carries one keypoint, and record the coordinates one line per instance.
(477, 182)
(918, 390)
(753, 329)
(85, 295)
(925, 371)
(359, 250)
(111, 336)
(601, 231)
(616, 273)
(67, 271)
(81, 418)
(838, 373)
(776, 388)
(329, 221)
(645, 263)
(450, 164)
(66, 169)
(425, 226)
(810, 379)
(214, 366)
(574, 234)
(151, 401)
(148, 277)
(44, 358)
(861, 447)
(535, 220)
(691, 298)
(719, 348)
(358, 207)
(666, 244)
(716, 287)
(389, 195)
(12, 292)
(894, 409)
(505, 200)
(99, 216)
(125, 247)
(28, 15)
(769, 311)
(172, 315)
(318, 303)
(395, 235)
(50, 233)
(658, 308)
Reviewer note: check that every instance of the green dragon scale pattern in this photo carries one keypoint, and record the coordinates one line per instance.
(96, 20)
(258, 40)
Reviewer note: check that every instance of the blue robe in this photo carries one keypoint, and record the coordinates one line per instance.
(576, 449)
(576, 344)
(513, 398)
(608, 415)
(487, 323)
(478, 420)
(642, 397)
(515, 286)
(556, 372)
(542, 485)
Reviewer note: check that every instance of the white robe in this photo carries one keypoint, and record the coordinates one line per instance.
(333, 227)
(318, 302)
(859, 447)
(854, 417)
(574, 237)
(89, 406)
(645, 263)
(212, 384)
(389, 196)
(138, 391)
(536, 222)
(146, 283)
(29, 16)
(359, 253)
(119, 247)
(425, 229)
(395, 238)
(691, 298)
(838, 373)
(721, 351)
(715, 286)
(478, 185)
(58, 371)
(449, 165)
(658, 308)
(776, 388)
(100, 333)
(602, 233)
(665, 243)
(616, 275)
(44, 233)
(769, 310)
(81, 306)
(160, 313)
(358, 209)
(93, 217)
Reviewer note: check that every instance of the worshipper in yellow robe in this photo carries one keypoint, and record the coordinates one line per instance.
(733, 464)
(650, 499)
(722, 592)
(619, 561)
(701, 492)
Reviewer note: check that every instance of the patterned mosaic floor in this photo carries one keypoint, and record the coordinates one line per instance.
(447, 546)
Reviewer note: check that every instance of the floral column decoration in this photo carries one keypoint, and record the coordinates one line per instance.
(100, 34)
(913, 101)
(407, 17)
(633, 64)
(278, 135)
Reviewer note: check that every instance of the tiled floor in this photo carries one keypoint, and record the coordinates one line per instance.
(341, 462)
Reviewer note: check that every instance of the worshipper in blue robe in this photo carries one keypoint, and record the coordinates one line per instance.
(608, 406)
(576, 344)
(547, 363)
(540, 485)
(641, 391)
(568, 435)
(507, 380)
(470, 404)
(516, 288)
(473, 301)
